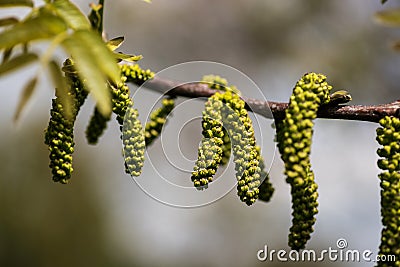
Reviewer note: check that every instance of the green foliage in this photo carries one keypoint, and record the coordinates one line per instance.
(388, 136)
(13, 3)
(294, 136)
(70, 14)
(42, 26)
(96, 16)
(63, 24)
(59, 135)
(158, 118)
(96, 65)
(114, 43)
(26, 94)
(121, 103)
(17, 62)
(8, 21)
(390, 17)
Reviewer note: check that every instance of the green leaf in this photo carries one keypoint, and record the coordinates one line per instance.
(89, 64)
(42, 27)
(7, 54)
(128, 58)
(96, 7)
(115, 43)
(383, 1)
(96, 16)
(71, 14)
(8, 21)
(147, 1)
(103, 57)
(26, 95)
(61, 89)
(17, 62)
(11, 3)
(389, 17)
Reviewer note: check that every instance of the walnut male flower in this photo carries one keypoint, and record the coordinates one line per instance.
(388, 136)
(294, 136)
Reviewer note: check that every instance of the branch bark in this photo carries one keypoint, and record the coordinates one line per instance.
(276, 110)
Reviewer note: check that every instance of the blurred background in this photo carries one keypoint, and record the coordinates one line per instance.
(103, 218)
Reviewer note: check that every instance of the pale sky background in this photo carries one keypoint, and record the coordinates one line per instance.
(273, 43)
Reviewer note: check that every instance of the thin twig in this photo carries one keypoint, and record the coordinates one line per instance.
(270, 109)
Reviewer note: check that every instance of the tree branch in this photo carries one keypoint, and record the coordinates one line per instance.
(270, 109)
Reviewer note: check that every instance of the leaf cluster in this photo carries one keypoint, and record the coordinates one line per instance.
(61, 24)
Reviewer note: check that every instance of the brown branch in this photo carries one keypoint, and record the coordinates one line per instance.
(270, 109)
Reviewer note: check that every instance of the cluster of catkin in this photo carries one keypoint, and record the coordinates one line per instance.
(227, 129)
(59, 134)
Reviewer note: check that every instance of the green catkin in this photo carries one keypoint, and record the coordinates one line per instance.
(266, 189)
(132, 132)
(98, 123)
(77, 87)
(96, 126)
(226, 148)
(215, 147)
(215, 82)
(121, 101)
(246, 158)
(210, 151)
(133, 142)
(59, 135)
(237, 134)
(219, 83)
(294, 136)
(388, 136)
(134, 74)
(157, 120)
